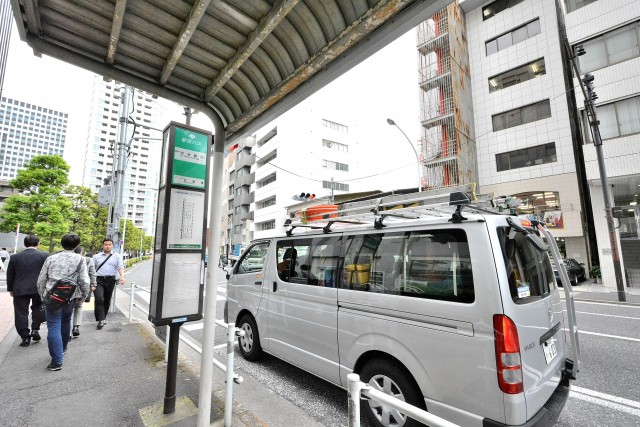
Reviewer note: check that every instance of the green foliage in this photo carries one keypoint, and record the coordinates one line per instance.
(595, 271)
(39, 207)
(133, 261)
(88, 219)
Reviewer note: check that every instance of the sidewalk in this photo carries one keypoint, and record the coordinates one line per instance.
(111, 377)
(588, 291)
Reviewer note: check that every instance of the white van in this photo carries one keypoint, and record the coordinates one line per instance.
(456, 314)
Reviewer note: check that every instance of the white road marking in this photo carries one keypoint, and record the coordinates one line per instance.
(193, 326)
(609, 304)
(613, 402)
(618, 337)
(608, 315)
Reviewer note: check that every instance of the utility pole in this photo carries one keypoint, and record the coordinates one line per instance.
(188, 113)
(586, 84)
(120, 153)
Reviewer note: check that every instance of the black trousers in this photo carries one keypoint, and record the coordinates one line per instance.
(102, 296)
(21, 313)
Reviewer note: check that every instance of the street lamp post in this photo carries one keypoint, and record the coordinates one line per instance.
(392, 123)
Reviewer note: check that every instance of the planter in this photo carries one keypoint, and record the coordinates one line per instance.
(594, 280)
(599, 280)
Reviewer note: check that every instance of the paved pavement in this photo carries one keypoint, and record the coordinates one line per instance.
(116, 377)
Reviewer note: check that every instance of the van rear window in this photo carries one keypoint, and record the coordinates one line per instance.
(422, 264)
(528, 269)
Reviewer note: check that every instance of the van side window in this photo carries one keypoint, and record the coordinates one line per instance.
(325, 254)
(253, 259)
(423, 264)
(293, 260)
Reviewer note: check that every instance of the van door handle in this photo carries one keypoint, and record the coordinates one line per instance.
(258, 282)
(275, 286)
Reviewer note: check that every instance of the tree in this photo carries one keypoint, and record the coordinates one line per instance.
(39, 207)
(88, 219)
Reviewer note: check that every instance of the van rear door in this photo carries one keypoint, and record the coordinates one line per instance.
(532, 302)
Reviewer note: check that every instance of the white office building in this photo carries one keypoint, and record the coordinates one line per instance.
(525, 142)
(609, 32)
(143, 164)
(28, 130)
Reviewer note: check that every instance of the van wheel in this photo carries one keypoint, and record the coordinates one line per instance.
(393, 379)
(250, 343)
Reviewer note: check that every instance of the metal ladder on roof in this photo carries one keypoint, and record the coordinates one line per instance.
(569, 300)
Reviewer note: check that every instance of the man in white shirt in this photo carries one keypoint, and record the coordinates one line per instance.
(108, 264)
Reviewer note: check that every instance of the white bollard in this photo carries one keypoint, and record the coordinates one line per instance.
(131, 300)
(353, 389)
(228, 400)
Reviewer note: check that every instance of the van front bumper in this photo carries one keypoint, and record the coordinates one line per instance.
(548, 415)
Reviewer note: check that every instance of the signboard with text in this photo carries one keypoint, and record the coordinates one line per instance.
(177, 285)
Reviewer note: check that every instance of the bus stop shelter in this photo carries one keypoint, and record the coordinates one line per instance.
(240, 62)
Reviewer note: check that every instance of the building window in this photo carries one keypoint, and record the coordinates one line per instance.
(530, 156)
(496, 7)
(517, 75)
(271, 201)
(514, 36)
(268, 158)
(266, 181)
(577, 4)
(335, 145)
(335, 126)
(611, 48)
(335, 165)
(335, 185)
(520, 116)
(266, 225)
(616, 119)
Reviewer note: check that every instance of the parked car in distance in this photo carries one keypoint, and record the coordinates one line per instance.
(575, 270)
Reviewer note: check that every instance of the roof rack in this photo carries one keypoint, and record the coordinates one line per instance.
(438, 203)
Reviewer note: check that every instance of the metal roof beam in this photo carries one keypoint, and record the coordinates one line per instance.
(267, 24)
(192, 21)
(116, 26)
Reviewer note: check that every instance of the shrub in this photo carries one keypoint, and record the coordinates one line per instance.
(595, 271)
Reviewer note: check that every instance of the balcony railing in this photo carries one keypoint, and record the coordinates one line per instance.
(433, 27)
(434, 67)
(437, 108)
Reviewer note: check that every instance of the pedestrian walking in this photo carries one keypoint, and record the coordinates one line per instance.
(109, 266)
(63, 265)
(77, 312)
(4, 257)
(22, 278)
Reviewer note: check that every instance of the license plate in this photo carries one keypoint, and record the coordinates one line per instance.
(550, 351)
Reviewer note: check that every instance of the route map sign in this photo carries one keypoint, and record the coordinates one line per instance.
(177, 284)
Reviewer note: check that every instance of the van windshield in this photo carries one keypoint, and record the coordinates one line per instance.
(528, 269)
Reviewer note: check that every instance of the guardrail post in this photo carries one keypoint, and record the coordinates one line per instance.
(353, 388)
(131, 299)
(228, 400)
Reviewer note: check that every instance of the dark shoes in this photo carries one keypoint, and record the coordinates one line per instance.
(54, 366)
(35, 335)
(76, 331)
(26, 342)
(101, 324)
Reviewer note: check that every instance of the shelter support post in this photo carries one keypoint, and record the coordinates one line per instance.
(211, 289)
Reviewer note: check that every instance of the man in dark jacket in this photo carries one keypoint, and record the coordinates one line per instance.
(22, 276)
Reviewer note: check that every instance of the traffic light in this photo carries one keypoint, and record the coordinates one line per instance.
(304, 197)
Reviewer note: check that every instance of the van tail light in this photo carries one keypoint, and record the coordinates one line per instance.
(508, 359)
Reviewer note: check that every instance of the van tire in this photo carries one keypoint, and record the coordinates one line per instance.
(249, 344)
(384, 375)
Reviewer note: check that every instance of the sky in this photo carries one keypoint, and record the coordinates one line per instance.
(383, 86)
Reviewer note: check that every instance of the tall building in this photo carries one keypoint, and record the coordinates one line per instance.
(609, 32)
(272, 167)
(522, 103)
(6, 21)
(28, 130)
(141, 177)
(447, 145)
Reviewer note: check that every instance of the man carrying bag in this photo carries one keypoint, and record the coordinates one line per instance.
(68, 269)
(108, 265)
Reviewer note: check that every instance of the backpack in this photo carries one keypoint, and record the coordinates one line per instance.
(61, 292)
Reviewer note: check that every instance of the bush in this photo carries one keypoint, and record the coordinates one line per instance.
(595, 271)
(133, 261)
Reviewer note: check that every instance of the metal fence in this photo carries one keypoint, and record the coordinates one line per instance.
(357, 390)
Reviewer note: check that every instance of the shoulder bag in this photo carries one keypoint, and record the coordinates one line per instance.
(62, 291)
